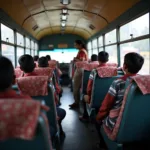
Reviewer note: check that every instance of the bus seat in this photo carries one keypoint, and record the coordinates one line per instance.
(39, 89)
(85, 78)
(44, 71)
(112, 64)
(120, 72)
(134, 119)
(18, 72)
(101, 84)
(23, 126)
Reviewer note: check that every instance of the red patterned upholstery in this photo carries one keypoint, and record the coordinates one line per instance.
(112, 64)
(81, 64)
(91, 66)
(33, 85)
(44, 71)
(143, 82)
(106, 71)
(18, 72)
(113, 134)
(18, 118)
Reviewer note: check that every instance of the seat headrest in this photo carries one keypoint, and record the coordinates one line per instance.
(33, 85)
(18, 72)
(106, 71)
(112, 64)
(18, 118)
(91, 66)
(143, 82)
(44, 71)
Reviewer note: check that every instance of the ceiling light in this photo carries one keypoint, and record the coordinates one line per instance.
(63, 24)
(65, 2)
(64, 11)
(64, 17)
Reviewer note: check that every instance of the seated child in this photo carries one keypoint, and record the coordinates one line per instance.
(27, 65)
(102, 59)
(112, 102)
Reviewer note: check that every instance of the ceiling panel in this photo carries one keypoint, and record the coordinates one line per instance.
(46, 14)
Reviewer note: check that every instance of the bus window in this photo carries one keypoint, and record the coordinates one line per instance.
(20, 39)
(28, 51)
(100, 41)
(110, 37)
(141, 47)
(112, 51)
(28, 43)
(20, 52)
(32, 52)
(95, 51)
(101, 49)
(7, 34)
(61, 54)
(9, 52)
(134, 28)
(94, 44)
(89, 47)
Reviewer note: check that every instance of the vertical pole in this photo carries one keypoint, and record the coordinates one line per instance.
(15, 46)
(0, 39)
(118, 44)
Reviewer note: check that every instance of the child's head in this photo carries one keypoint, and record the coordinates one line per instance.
(35, 58)
(94, 57)
(103, 57)
(43, 62)
(133, 62)
(48, 57)
(26, 63)
(6, 73)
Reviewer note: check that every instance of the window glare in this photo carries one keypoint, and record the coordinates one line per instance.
(20, 39)
(9, 52)
(20, 52)
(94, 43)
(110, 37)
(112, 51)
(141, 47)
(100, 41)
(7, 34)
(135, 28)
(61, 54)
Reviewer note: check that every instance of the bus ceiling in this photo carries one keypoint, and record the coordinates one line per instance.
(81, 17)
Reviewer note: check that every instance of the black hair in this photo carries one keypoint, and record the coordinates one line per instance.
(103, 57)
(79, 42)
(133, 62)
(35, 58)
(26, 63)
(94, 57)
(6, 73)
(48, 57)
(43, 62)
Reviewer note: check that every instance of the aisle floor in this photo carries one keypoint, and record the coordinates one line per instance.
(79, 135)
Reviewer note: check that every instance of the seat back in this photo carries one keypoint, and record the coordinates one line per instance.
(50, 101)
(22, 126)
(41, 140)
(100, 89)
(135, 120)
(85, 79)
(44, 71)
(18, 72)
(39, 89)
